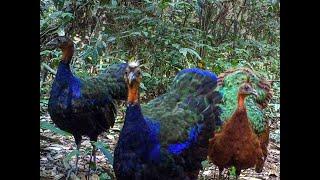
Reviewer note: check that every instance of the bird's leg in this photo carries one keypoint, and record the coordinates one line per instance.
(77, 158)
(78, 143)
(220, 173)
(238, 171)
(93, 155)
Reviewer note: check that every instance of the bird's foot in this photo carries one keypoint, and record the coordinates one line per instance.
(72, 172)
(92, 169)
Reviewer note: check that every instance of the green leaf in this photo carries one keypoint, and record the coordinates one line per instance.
(60, 31)
(142, 86)
(104, 176)
(176, 46)
(111, 39)
(184, 51)
(86, 53)
(145, 74)
(145, 33)
(205, 164)
(144, 19)
(109, 157)
(69, 156)
(67, 16)
(51, 127)
(232, 171)
(95, 55)
(114, 3)
(45, 53)
(135, 34)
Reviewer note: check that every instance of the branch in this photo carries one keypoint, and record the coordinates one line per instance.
(49, 139)
(44, 76)
(48, 68)
(237, 17)
(49, 30)
(273, 81)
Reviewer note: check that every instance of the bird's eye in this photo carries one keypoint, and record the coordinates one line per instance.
(139, 73)
(126, 72)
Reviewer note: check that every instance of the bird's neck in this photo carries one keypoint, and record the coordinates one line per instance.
(133, 113)
(239, 118)
(241, 101)
(67, 54)
(63, 71)
(133, 94)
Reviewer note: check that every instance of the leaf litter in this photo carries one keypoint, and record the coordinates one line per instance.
(55, 148)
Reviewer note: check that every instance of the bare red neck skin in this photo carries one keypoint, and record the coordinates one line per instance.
(133, 94)
(241, 100)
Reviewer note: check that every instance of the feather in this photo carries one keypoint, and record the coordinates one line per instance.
(167, 138)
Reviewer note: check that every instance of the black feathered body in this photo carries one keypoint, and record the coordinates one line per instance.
(86, 106)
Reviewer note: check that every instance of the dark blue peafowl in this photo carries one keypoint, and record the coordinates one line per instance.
(84, 107)
(168, 137)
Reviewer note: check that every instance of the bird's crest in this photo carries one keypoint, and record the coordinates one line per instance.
(134, 64)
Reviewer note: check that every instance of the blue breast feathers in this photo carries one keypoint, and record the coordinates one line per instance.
(65, 78)
(178, 148)
(75, 86)
(154, 153)
(144, 136)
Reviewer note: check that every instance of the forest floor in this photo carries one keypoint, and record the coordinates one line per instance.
(54, 148)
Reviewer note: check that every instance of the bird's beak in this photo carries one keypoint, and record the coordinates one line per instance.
(131, 77)
(254, 92)
(52, 44)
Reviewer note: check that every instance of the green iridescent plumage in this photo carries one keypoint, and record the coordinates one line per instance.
(183, 106)
(229, 83)
(108, 83)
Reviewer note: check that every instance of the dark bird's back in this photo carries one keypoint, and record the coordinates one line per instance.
(167, 138)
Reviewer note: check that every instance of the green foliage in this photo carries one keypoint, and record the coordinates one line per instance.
(100, 145)
(167, 36)
(104, 176)
(232, 171)
(205, 164)
(68, 157)
(51, 127)
(105, 150)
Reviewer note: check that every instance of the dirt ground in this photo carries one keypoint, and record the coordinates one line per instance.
(54, 148)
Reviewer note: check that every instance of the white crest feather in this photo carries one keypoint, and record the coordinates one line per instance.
(134, 64)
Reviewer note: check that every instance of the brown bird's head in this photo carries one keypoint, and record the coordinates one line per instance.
(133, 77)
(246, 89)
(61, 42)
(65, 44)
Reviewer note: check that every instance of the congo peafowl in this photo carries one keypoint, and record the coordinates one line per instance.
(231, 137)
(168, 137)
(84, 106)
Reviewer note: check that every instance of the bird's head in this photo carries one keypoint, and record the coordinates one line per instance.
(133, 77)
(246, 89)
(65, 44)
(61, 42)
